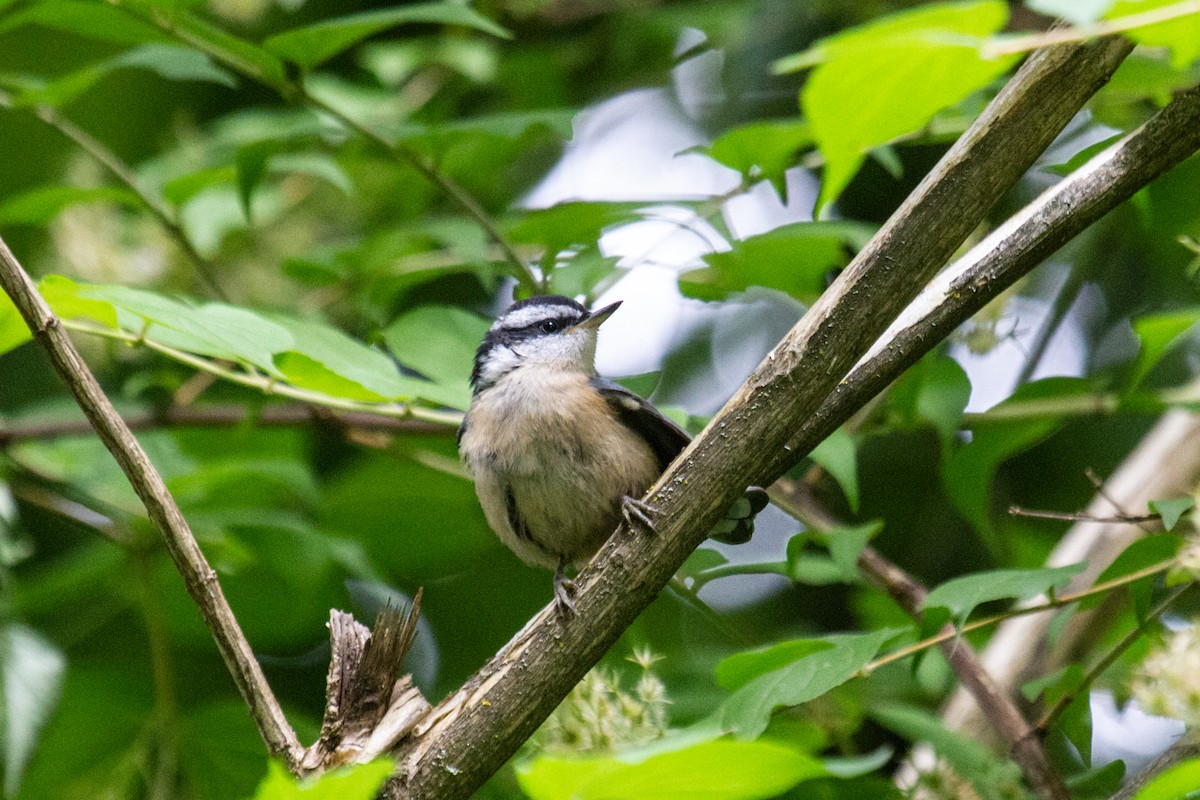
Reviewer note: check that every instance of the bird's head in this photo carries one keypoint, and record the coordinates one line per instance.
(547, 330)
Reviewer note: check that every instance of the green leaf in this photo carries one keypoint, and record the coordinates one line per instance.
(889, 78)
(968, 476)
(91, 20)
(762, 150)
(238, 54)
(717, 770)
(838, 455)
(176, 63)
(568, 225)
(33, 676)
(749, 710)
(961, 595)
(847, 543)
(796, 259)
(1171, 509)
(326, 360)
(735, 671)
(1158, 334)
(360, 782)
(13, 330)
(1076, 721)
(1181, 35)
(1140, 554)
(992, 778)
(40, 206)
(1174, 783)
(440, 343)
(65, 299)
(310, 45)
(183, 188)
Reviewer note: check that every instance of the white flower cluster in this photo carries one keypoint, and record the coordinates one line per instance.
(600, 715)
(1168, 682)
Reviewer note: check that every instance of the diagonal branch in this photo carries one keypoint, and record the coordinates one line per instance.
(470, 734)
(199, 577)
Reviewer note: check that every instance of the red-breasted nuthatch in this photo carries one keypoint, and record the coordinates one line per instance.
(559, 454)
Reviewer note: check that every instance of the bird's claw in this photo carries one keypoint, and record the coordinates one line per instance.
(564, 593)
(637, 513)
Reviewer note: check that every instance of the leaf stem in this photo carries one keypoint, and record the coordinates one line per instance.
(1127, 641)
(1012, 45)
(1057, 602)
(268, 385)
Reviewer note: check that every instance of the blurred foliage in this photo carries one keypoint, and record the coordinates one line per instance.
(238, 206)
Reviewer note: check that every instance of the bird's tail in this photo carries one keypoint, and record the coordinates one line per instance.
(738, 525)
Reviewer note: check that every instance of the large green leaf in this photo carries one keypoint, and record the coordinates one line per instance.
(13, 330)
(312, 44)
(33, 671)
(360, 782)
(716, 770)
(961, 595)
(40, 206)
(890, 77)
(439, 343)
(810, 675)
(797, 259)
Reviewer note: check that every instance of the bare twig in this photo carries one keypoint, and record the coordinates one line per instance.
(228, 416)
(1080, 516)
(199, 578)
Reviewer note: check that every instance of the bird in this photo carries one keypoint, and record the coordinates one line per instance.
(560, 455)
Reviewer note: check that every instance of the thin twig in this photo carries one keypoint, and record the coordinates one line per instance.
(226, 416)
(1132, 519)
(1127, 641)
(199, 577)
(1051, 604)
(1011, 45)
(125, 174)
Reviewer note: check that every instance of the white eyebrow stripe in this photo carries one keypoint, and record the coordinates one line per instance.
(524, 317)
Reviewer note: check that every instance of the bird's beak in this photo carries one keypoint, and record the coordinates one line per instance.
(596, 318)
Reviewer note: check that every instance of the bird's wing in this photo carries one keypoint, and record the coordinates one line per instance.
(665, 438)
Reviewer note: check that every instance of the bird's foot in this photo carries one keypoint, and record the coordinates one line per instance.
(564, 593)
(638, 513)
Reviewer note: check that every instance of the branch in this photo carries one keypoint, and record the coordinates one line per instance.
(1186, 747)
(199, 577)
(227, 416)
(1010, 45)
(466, 739)
(1010, 724)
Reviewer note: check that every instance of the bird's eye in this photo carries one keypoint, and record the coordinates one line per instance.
(548, 326)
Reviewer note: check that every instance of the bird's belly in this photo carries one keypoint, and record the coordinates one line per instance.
(550, 486)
